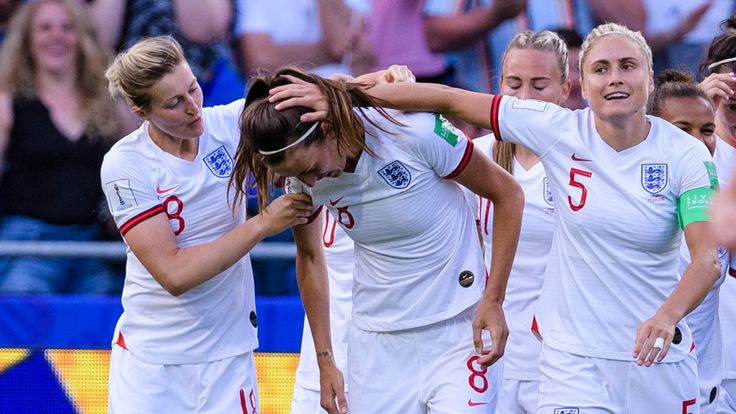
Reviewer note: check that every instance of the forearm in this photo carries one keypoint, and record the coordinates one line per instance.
(699, 277)
(448, 33)
(107, 18)
(471, 107)
(507, 212)
(185, 268)
(203, 22)
(314, 289)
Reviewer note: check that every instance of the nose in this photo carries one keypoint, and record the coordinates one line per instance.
(614, 76)
(525, 92)
(191, 106)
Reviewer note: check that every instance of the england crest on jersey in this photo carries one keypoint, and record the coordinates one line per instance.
(396, 175)
(220, 162)
(654, 177)
(547, 192)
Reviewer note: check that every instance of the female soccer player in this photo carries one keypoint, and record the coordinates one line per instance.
(185, 340)
(611, 307)
(420, 300)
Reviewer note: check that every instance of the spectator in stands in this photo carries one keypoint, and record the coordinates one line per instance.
(478, 43)
(56, 123)
(203, 30)
(189, 313)
(323, 36)
(574, 42)
(7, 9)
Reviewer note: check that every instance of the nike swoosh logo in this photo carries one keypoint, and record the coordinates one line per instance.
(332, 203)
(576, 158)
(165, 190)
(475, 404)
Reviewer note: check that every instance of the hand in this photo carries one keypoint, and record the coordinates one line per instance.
(396, 74)
(719, 87)
(691, 20)
(507, 9)
(303, 94)
(658, 326)
(286, 211)
(332, 387)
(489, 317)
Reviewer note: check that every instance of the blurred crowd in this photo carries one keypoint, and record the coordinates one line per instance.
(57, 119)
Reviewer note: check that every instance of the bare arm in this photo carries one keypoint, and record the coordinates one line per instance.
(179, 269)
(6, 123)
(203, 22)
(488, 180)
(631, 13)
(311, 272)
(107, 18)
(724, 214)
(699, 277)
(451, 32)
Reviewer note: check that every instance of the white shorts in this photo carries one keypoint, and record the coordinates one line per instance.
(727, 397)
(306, 401)
(224, 386)
(574, 384)
(424, 370)
(518, 397)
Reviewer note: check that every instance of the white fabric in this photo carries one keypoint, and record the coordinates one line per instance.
(340, 264)
(666, 15)
(424, 370)
(210, 321)
(224, 386)
(414, 233)
(518, 397)
(521, 357)
(585, 385)
(616, 246)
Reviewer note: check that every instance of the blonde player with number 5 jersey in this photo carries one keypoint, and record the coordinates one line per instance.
(626, 186)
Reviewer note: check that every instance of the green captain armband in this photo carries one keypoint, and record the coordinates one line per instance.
(693, 206)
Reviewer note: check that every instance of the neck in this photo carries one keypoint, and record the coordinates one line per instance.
(621, 133)
(55, 83)
(526, 158)
(182, 148)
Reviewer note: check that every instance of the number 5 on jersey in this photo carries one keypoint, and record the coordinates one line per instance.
(575, 182)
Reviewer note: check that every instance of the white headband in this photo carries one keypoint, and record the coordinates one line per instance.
(719, 63)
(301, 138)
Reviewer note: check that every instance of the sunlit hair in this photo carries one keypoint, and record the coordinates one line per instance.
(134, 72)
(721, 56)
(503, 152)
(674, 84)
(263, 128)
(18, 71)
(614, 29)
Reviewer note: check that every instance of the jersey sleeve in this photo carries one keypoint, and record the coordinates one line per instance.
(529, 122)
(434, 140)
(694, 169)
(131, 197)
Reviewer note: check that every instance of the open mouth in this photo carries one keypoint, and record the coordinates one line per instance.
(615, 96)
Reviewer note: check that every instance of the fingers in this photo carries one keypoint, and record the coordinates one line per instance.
(477, 337)
(397, 74)
(651, 345)
(334, 401)
(342, 402)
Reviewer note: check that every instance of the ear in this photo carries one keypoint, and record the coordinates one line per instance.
(583, 92)
(651, 83)
(565, 90)
(140, 113)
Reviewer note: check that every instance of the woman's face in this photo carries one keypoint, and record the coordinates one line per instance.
(54, 41)
(176, 104)
(312, 163)
(616, 78)
(726, 120)
(533, 74)
(693, 115)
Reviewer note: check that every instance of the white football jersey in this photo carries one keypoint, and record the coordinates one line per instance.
(616, 243)
(417, 256)
(521, 359)
(216, 319)
(340, 264)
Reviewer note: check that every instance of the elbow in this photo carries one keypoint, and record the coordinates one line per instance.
(172, 283)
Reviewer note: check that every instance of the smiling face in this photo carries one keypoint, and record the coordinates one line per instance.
(53, 39)
(176, 105)
(533, 74)
(312, 163)
(693, 115)
(616, 78)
